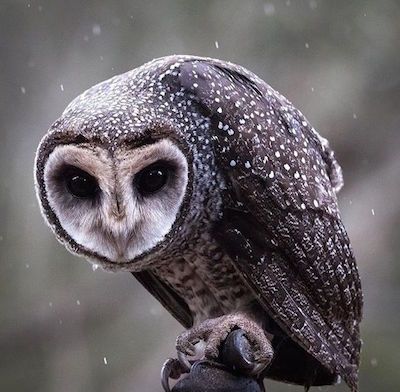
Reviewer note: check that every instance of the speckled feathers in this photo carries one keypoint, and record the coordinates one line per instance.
(261, 183)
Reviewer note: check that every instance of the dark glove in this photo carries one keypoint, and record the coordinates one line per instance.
(207, 376)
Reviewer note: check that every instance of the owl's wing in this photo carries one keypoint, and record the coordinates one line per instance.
(282, 226)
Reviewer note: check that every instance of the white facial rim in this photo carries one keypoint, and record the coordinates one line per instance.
(140, 223)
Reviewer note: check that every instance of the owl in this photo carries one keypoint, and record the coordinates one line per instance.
(218, 195)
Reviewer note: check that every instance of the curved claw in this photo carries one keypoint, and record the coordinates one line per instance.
(258, 368)
(184, 362)
(172, 368)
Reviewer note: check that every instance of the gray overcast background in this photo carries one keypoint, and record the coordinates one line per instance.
(64, 327)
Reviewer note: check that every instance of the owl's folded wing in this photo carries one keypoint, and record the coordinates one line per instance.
(283, 176)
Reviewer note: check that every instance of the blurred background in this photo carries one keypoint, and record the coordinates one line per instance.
(65, 327)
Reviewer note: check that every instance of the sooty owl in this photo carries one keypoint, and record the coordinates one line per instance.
(220, 198)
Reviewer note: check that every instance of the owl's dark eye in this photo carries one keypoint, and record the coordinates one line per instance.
(153, 178)
(80, 184)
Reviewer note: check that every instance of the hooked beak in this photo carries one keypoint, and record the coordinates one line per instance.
(118, 211)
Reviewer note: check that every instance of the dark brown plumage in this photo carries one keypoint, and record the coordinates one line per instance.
(259, 224)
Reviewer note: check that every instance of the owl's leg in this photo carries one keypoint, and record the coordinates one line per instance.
(215, 331)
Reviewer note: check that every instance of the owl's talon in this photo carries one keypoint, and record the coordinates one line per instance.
(249, 349)
(185, 363)
(172, 368)
(258, 368)
(185, 344)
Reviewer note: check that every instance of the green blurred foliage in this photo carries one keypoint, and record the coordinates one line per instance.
(337, 61)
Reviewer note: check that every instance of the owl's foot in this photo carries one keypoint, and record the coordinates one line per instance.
(172, 368)
(248, 350)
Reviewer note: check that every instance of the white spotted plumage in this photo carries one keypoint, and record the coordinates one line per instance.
(259, 193)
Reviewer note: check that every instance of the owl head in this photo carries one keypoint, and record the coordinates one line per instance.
(115, 174)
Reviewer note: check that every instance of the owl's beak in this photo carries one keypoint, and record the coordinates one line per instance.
(118, 211)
